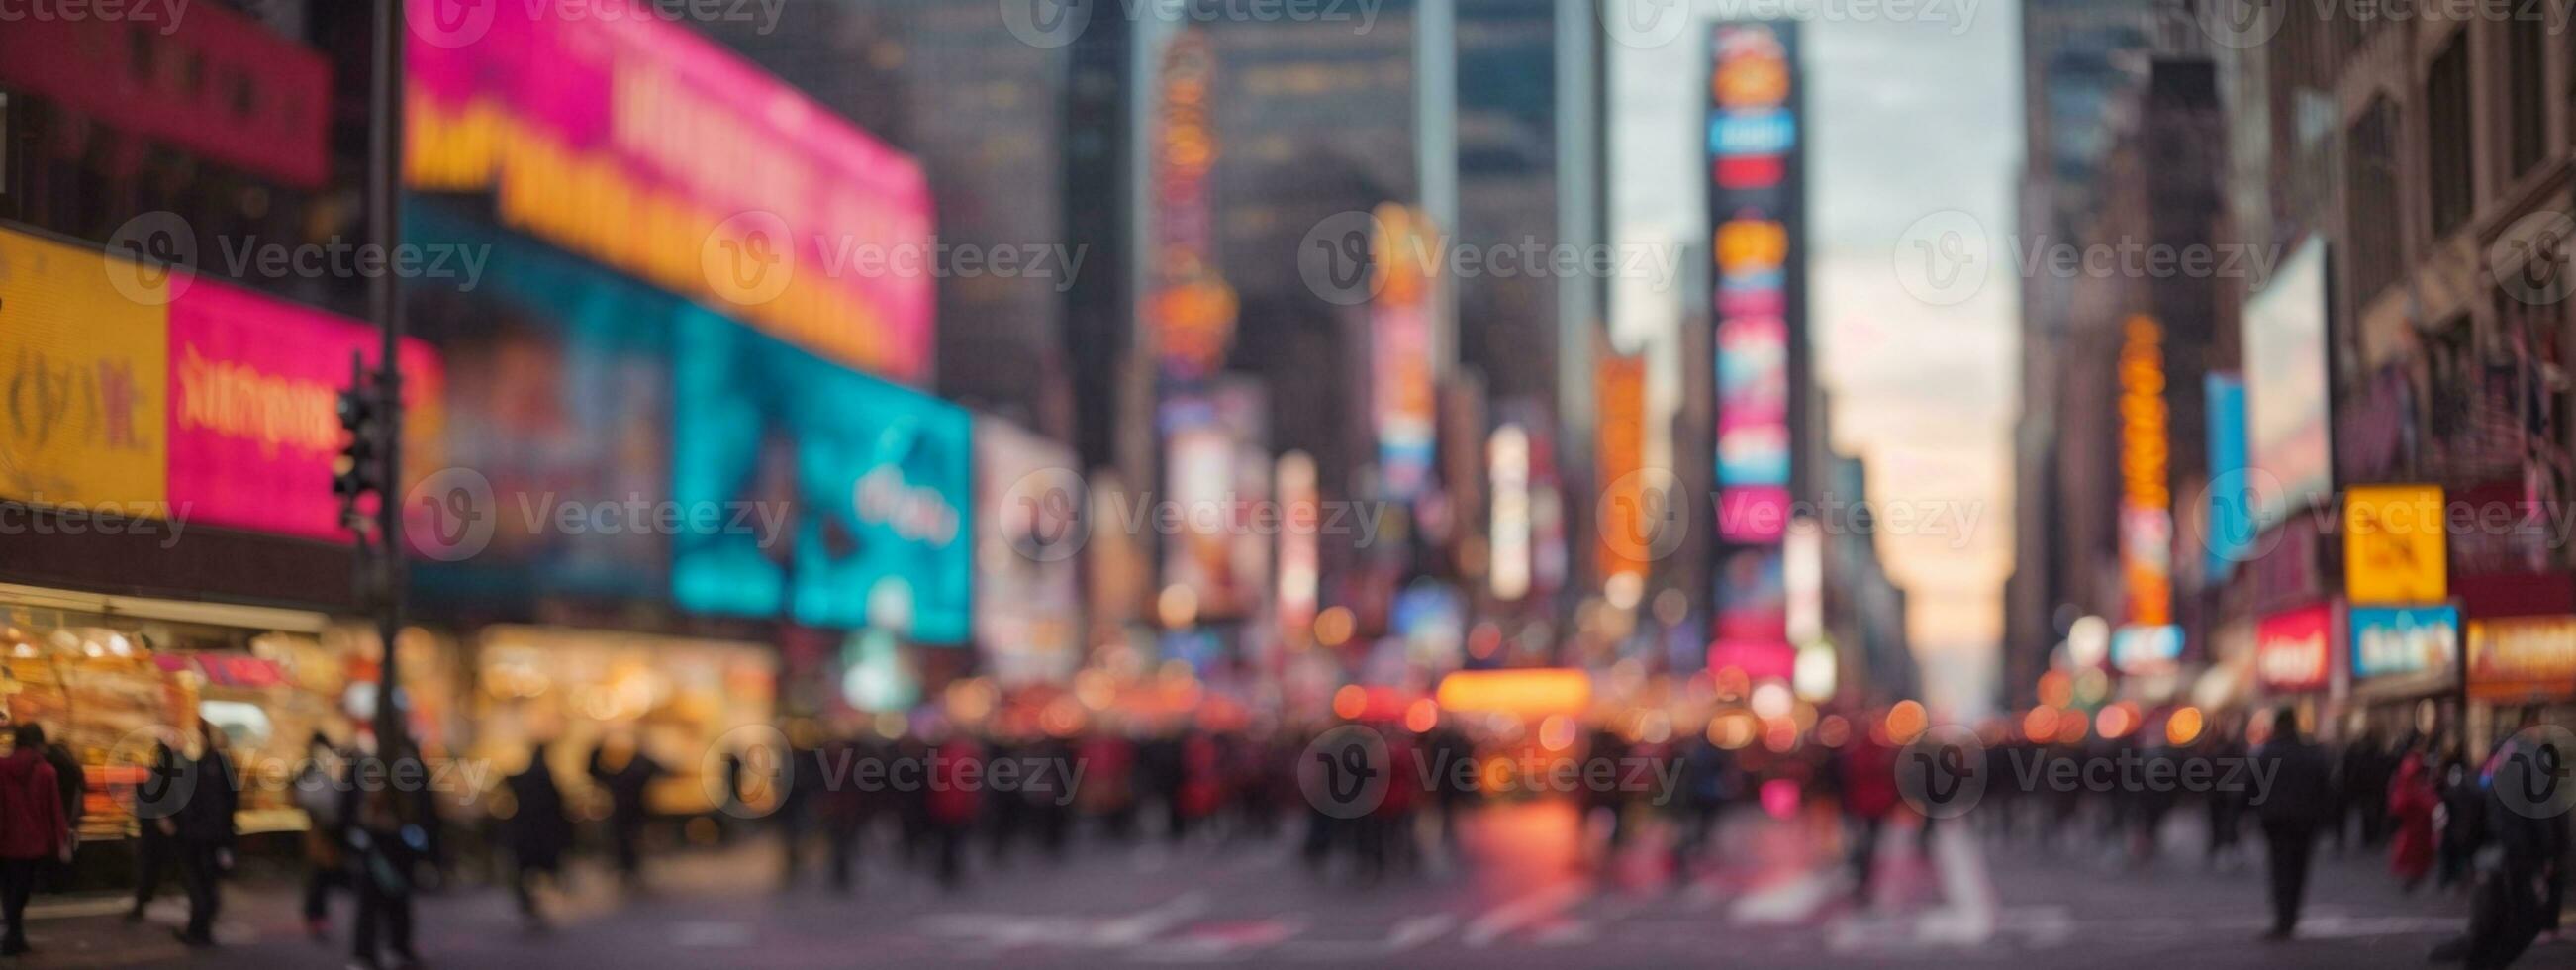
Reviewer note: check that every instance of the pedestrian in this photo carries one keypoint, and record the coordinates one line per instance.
(164, 790)
(204, 829)
(2512, 901)
(1605, 763)
(621, 767)
(2463, 819)
(842, 806)
(386, 844)
(1868, 776)
(318, 785)
(2411, 801)
(33, 829)
(70, 781)
(2225, 803)
(954, 801)
(1705, 769)
(2299, 803)
(538, 831)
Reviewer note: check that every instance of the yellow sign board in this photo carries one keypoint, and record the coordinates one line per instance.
(83, 382)
(2394, 545)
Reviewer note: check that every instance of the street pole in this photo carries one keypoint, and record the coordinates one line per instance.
(384, 185)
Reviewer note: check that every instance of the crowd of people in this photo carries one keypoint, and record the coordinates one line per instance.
(2432, 807)
(951, 805)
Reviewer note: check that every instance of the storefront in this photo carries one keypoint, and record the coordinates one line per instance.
(110, 677)
(677, 701)
(2521, 671)
(2405, 664)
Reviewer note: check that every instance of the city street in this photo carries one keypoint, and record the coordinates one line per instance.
(1777, 902)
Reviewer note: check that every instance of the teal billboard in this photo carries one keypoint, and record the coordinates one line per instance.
(873, 479)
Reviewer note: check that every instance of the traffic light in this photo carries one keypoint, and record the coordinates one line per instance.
(359, 470)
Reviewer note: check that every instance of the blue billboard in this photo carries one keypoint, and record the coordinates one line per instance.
(2232, 520)
(872, 479)
(2404, 641)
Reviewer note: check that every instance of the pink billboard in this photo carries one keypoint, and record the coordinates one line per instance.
(254, 419)
(635, 142)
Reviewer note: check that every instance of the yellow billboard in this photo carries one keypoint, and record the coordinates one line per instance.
(2394, 545)
(83, 381)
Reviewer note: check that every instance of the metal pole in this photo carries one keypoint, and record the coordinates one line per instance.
(384, 185)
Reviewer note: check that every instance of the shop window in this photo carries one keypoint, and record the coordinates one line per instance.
(2526, 87)
(2370, 169)
(2451, 366)
(2449, 153)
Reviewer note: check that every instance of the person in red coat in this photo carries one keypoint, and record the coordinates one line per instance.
(2410, 811)
(33, 829)
(1869, 796)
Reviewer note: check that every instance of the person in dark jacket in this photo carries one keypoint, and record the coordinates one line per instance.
(69, 781)
(204, 829)
(318, 785)
(626, 773)
(2301, 800)
(33, 830)
(161, 794)
(387, 840)
(538, 831)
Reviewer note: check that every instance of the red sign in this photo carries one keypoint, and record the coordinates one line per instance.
(2293, 651)
(254, 422)
(212, 82)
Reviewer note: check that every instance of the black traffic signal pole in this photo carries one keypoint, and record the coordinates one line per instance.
(384, 185)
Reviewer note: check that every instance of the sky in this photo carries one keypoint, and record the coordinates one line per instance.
(1908, 121)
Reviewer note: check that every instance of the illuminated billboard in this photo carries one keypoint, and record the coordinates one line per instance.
(638, 143)
(875, 478)
(1757, 246)
(2146, 500)
(2285, 385)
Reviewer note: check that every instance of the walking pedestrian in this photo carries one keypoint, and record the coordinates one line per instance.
(954, 801)
(386, 843)
(1868, 776)
(157, 800)
(318, 786)
(622, 768)
(33, 830)
(538, 831)
(204, 829)
(2299, 803)
(2411, 801)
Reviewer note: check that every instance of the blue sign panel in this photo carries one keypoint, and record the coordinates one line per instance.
(2390, 641)
(871, 481)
